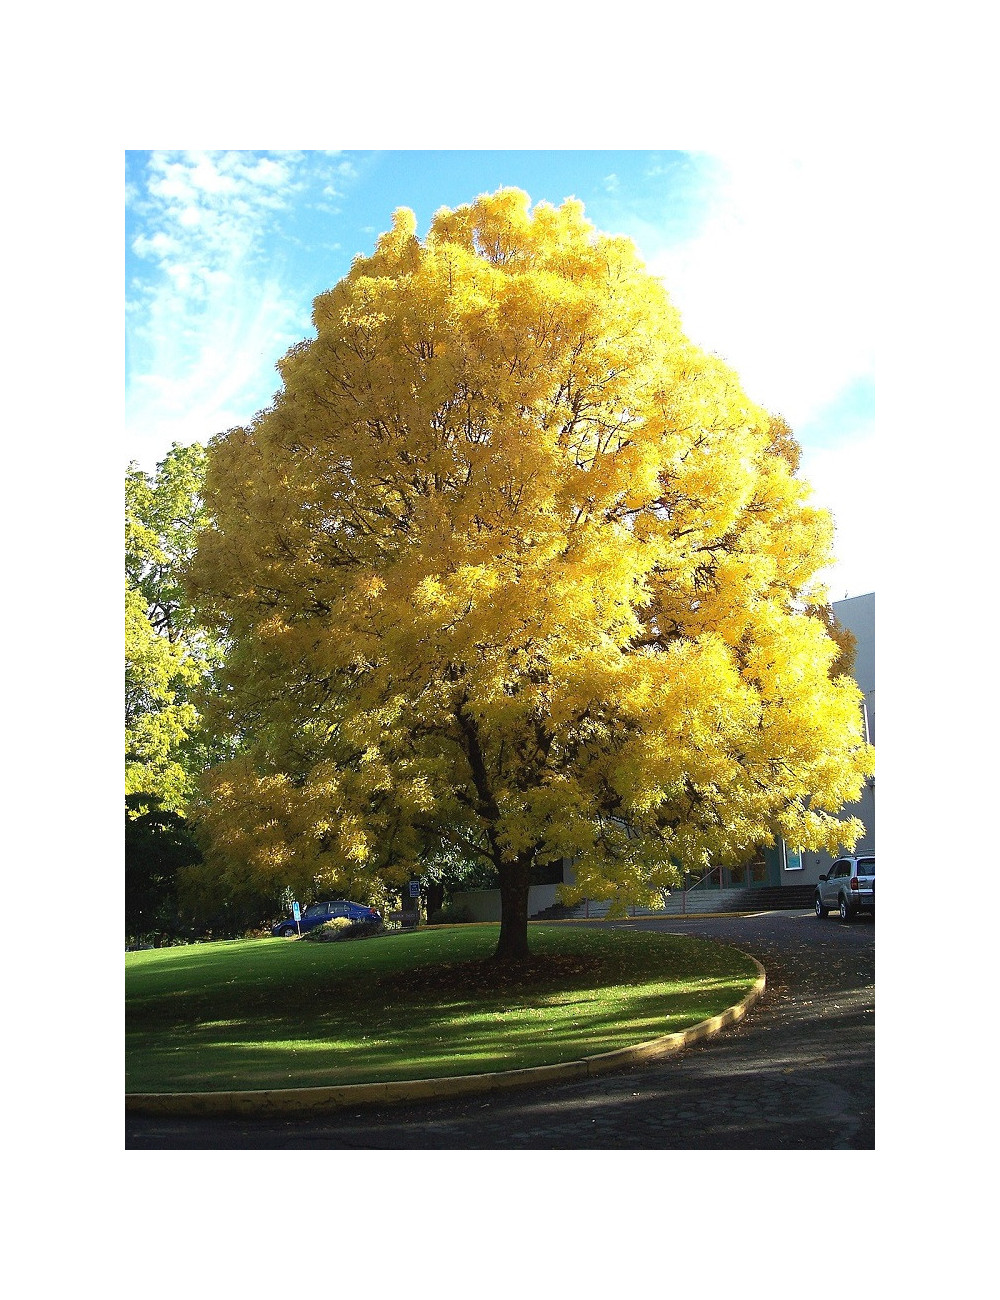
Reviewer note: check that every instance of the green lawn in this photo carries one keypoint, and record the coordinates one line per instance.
(270, 1013)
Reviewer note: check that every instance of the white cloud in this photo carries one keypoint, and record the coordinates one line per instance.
(160, 246)
(205, 326)
(842, 479)
(208, 376)
(779, 278)
(779, 281)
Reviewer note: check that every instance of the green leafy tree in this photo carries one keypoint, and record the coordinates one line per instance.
(159, 845)
(168, 656)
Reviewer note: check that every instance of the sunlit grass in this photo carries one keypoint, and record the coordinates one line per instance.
(278, 1014)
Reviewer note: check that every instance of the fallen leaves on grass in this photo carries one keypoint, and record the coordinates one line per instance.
(536, 974)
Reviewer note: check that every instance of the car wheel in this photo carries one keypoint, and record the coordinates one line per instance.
(288, 932)
(821, 911)
(845, 912)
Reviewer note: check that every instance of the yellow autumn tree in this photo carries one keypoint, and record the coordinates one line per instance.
(511, 566)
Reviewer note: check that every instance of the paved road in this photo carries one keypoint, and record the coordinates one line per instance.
(798, 1073)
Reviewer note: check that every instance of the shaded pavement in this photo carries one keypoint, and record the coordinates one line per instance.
(798, 1073)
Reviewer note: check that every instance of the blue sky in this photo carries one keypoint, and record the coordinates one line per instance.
(767, 257)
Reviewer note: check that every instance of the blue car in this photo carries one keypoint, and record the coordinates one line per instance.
(318, 913)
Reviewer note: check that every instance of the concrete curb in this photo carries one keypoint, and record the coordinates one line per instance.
(275, 1101)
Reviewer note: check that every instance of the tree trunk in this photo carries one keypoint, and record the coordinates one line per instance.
(435, 897)
(514, 880)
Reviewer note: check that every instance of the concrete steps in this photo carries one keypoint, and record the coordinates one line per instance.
(764, 899)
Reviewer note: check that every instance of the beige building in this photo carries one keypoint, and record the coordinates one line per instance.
(858, 615)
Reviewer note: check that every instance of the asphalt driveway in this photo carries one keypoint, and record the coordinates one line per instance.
(798, 1073)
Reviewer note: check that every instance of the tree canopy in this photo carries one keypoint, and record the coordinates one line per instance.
(512, 566)
(167, 655)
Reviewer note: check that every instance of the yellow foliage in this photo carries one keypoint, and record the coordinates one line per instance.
(511, 564)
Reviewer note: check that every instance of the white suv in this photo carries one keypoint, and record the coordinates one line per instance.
(849, 886)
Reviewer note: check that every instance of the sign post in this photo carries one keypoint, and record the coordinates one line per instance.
(296, 913)
(413, 900)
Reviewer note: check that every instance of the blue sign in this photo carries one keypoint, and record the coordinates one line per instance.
(414, 888)
(295, 912)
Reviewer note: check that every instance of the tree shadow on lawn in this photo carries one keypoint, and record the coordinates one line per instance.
(400, 1040)
(260, 1022)
(253, 995)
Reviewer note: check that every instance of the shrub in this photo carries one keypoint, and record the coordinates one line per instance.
(329, 930)
(341, 927)
(450, 915)
(362, 930)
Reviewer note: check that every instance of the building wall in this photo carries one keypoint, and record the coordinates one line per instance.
(858, 615)
(484, 904)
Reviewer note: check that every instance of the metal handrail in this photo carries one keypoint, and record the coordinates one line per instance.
(710, 872)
